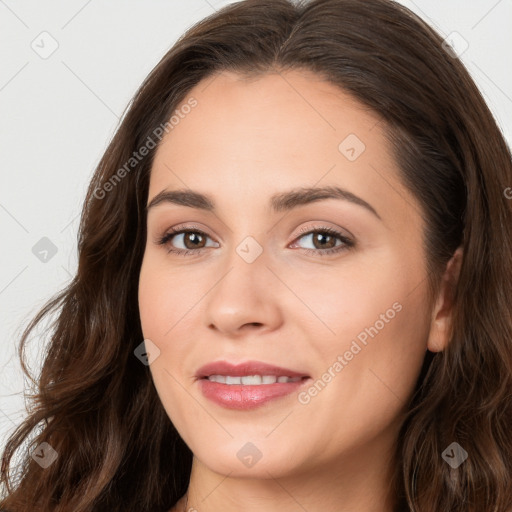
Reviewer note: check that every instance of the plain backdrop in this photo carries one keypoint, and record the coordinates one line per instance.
(67, 71)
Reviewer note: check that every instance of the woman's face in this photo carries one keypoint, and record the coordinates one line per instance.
(263, 281)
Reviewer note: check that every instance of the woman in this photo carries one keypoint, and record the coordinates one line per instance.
(293, 285)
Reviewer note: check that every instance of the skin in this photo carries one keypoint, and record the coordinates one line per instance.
(246, 140)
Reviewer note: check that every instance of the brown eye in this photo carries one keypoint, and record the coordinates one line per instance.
(193, 240)
(325, 241)
(183, 241)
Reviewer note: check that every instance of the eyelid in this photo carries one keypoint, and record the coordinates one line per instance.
(179, 229)
(338, 231)
(347, 242)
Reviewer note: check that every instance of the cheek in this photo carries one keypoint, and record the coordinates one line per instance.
(165, 296)
(164, 299)
(368, 371)
(169, 302)
(352, 296)
(378, 320)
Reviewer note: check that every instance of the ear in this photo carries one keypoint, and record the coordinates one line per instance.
(442, 312)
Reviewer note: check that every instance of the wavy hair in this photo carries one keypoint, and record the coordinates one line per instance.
(96, 404)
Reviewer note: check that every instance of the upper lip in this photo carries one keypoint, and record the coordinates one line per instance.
(245, 368)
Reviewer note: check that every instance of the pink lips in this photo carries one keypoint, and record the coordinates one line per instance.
(241, 396)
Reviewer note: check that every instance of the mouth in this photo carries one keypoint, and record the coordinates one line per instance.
(252, 371)
(247, 385)
(252, 380)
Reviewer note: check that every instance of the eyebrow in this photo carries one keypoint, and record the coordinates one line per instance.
(283, 201)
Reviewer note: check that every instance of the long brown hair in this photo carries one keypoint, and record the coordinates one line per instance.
(96, 404)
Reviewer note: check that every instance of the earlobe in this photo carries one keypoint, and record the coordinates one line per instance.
(442, 313)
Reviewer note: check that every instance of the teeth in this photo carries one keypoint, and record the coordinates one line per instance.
(251, 380)
(217, 378)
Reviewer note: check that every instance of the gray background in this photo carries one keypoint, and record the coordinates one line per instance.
(59, 111)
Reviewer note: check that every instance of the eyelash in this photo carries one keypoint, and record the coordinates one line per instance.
(347, 243)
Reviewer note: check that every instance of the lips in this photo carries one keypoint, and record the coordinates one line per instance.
(245, 396)
(244, 369)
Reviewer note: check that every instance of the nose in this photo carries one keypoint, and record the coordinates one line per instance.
(244, 299)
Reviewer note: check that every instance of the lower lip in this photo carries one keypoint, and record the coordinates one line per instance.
(239, 396)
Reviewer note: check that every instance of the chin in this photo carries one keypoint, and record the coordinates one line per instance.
(248, 459)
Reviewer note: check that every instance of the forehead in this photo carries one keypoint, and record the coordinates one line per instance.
(255, 136)
(286, 110)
